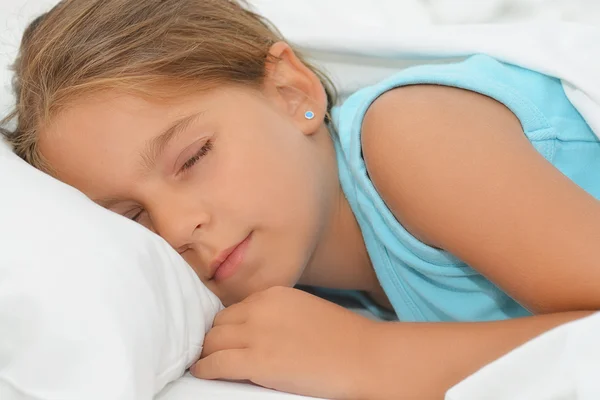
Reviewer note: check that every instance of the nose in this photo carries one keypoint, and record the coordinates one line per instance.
(177, 221)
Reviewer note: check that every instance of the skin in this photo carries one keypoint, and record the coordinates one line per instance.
(277, 181)
(270, 172)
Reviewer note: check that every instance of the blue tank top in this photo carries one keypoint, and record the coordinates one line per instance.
(428, 284)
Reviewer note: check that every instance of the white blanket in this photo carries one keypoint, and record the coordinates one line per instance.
(559, 365)
(568, 51)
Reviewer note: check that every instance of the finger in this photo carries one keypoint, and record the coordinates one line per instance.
(233, 315)
(224, 337)
(225, 364)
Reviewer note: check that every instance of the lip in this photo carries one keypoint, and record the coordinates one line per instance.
(228, 261)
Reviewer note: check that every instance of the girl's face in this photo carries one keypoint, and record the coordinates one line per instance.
(230, 178)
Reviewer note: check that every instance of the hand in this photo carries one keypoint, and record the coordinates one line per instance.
(291, 341)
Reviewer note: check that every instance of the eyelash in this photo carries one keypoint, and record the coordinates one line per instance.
(196, 157)
(137, 216)
(188, 164)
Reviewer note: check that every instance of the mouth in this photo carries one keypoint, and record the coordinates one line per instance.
(227, 262)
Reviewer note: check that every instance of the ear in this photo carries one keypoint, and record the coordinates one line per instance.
(295, 88)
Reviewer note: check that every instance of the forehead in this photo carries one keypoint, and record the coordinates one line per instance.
(114, 122)
(112, 111)
(96, 143)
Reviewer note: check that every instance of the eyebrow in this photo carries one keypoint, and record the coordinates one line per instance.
(155, 146)
(153, 149)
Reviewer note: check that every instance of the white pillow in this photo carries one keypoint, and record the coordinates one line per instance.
(92, 305)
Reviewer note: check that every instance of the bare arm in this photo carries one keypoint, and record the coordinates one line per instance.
(457, 171)
(424, 360)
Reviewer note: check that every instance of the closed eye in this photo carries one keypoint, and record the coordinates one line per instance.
(196, 157)
(136, 216)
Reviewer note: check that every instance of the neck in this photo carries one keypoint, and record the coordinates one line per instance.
(340, 260)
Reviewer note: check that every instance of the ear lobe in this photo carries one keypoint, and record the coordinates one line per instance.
(297, 88)
(311, 121)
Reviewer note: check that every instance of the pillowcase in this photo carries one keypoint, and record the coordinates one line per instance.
(92, 305)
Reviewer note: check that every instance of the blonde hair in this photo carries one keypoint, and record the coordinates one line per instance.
(154, 48)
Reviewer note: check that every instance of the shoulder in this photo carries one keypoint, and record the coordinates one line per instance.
(417, 140)
(457, 171)
(433, 107)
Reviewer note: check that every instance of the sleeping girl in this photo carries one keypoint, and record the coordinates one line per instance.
(462, 197)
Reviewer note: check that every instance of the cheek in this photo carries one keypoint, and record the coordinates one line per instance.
(282, 184)
(267, 169)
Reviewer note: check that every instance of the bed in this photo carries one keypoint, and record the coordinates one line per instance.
(559, 364)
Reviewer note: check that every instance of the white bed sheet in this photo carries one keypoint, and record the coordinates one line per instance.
(580, 351)
(190, 388)
(561, 364)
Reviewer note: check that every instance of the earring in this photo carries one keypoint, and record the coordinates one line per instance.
(309, 115)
